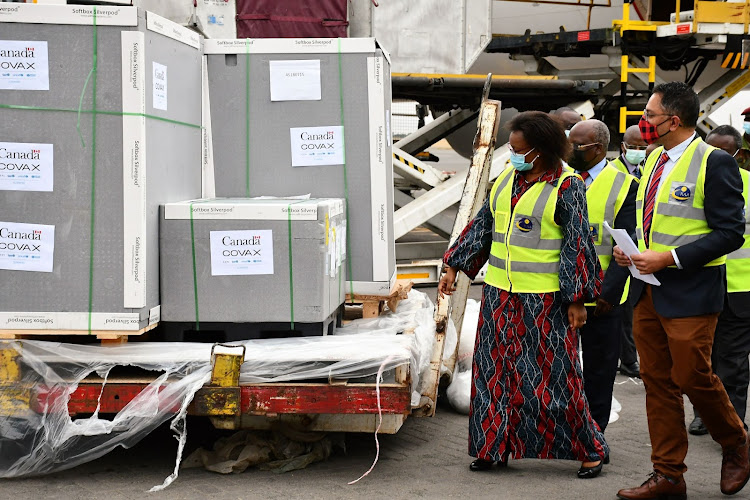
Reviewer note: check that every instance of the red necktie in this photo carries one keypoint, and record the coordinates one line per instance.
(584, 175)
(648, 206)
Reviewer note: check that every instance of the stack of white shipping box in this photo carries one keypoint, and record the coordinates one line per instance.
(298, 116)
(101, 126)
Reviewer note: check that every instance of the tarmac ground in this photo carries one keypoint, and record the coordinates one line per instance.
(427, 458)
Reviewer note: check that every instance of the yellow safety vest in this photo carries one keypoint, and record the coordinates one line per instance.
(738, 262)
(619, 165)
(605, 197)
(678, 217)
(525, 252)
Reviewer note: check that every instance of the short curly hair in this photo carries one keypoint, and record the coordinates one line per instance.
(542, 132)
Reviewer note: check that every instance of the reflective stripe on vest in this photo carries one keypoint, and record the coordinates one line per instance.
(679, 218)
(738, 262)
(605, 197)
(530, 261)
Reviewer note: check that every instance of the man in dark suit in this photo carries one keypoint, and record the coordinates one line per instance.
(732, 339)
(610, 197)
(689, 216)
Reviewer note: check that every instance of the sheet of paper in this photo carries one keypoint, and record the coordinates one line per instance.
(24, 65)
(312, 146)
(241, 252)
(295, 80)
(160, 86)
(27, 247)
(626, 244)
(26, 166)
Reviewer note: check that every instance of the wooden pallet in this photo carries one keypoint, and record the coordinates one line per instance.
(107, 337)
(373, 305)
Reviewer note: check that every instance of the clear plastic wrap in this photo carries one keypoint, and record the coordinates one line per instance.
(47, 439)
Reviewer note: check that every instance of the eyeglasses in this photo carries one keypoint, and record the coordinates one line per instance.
(735, 153)
(633, 146)
(584, 147)
(649, 116)
(510, 148)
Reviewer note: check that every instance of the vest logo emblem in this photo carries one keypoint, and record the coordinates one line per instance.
(682, 193)
(594, 232)
(524, 224)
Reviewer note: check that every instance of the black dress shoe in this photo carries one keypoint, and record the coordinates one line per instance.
(631, 370)
(590, 472)
(481, 464)
(696, 427)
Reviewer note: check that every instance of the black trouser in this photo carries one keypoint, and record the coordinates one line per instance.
(628, 354)
(600, 341)
(729, 357)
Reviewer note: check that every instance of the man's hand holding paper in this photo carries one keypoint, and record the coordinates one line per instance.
(626, 254)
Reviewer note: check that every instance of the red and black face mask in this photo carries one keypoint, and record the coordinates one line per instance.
(650, 133)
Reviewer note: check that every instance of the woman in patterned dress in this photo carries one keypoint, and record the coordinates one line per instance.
(527, 398)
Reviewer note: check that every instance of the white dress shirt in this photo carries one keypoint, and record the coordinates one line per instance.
(593, 172)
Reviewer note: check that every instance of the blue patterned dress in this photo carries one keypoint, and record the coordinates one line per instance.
(527, 398)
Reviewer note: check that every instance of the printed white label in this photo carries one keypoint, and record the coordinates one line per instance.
(70, 321)
(380, 163)
(295, 80)
(160, 86)
(134, 177)
(24, 65)
(25, 166)
(317, 146)
(26, 247)
(235, 253)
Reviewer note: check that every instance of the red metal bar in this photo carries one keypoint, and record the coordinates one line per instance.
(324, 398)
(255, 399)
(85, 398)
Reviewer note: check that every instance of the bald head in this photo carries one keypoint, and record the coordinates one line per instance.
(566, 116)
(590, 139)
(595, 130)
(633, 137)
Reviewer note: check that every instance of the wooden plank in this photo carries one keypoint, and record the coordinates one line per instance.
(374, 305)
(99, 334)
(474, 194)
(326, 422)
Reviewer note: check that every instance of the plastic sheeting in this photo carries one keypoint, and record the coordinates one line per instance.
(47, 439)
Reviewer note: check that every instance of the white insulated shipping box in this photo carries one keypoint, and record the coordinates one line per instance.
(101, 126)
(252, 260)
(308, 116)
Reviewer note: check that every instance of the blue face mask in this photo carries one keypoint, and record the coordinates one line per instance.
(746, 126)
(519, 161)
